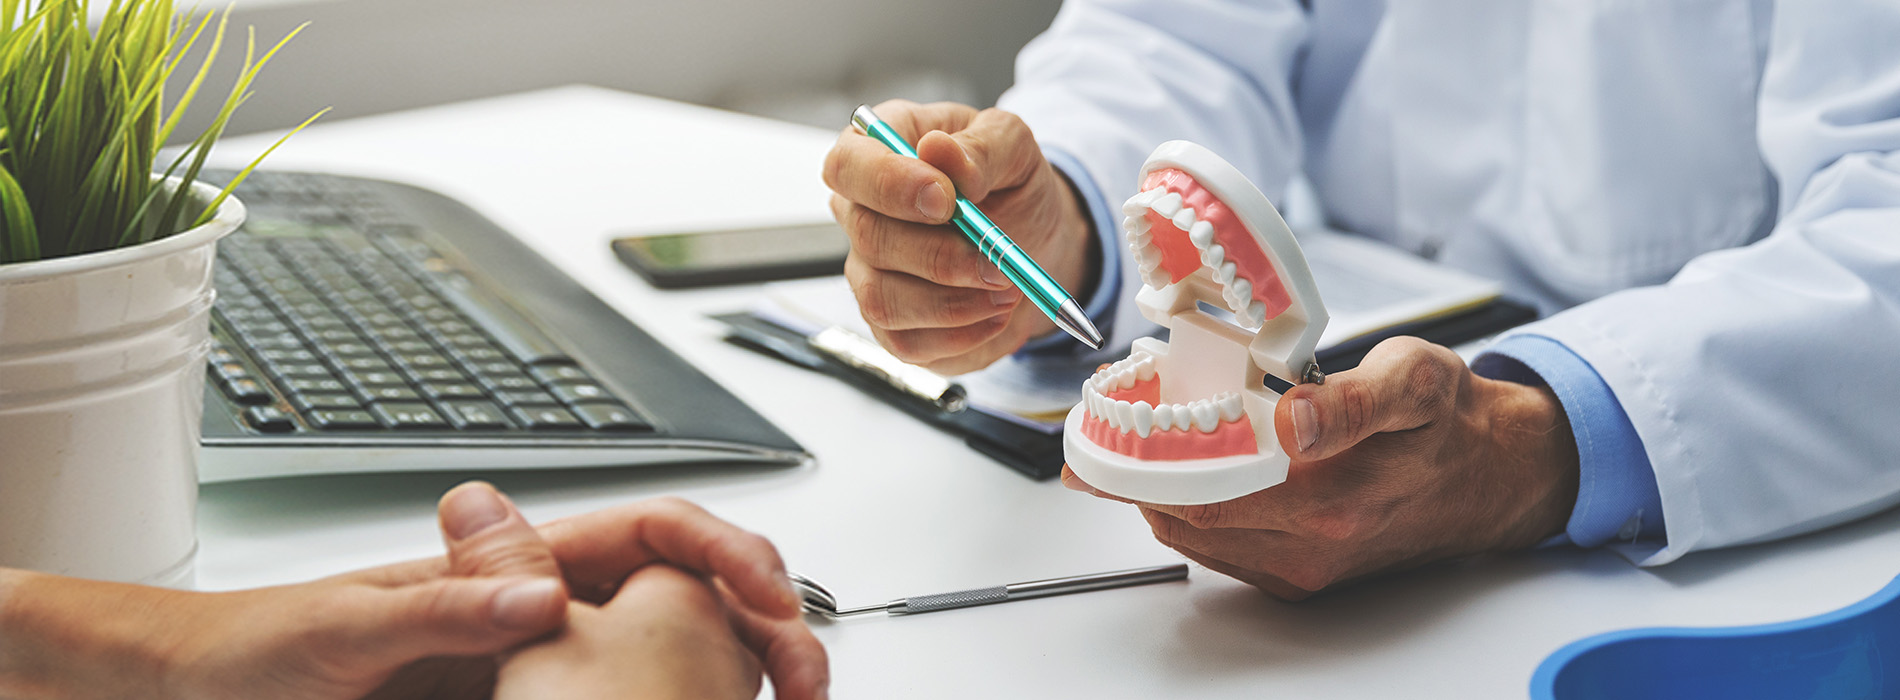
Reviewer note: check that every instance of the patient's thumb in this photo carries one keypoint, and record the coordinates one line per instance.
(487, 536)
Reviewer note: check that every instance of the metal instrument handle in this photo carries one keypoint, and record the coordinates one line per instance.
(949, 601)
(1096, 582)
(1037, 589)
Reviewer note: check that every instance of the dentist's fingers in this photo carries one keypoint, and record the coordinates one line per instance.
(1273, 585)
(869, 173)
(996, 151)
(895, 301)
(1403, 383)
(1074, 482)
(913, 120)
(936, 349)
(939, 254)
(864, 171)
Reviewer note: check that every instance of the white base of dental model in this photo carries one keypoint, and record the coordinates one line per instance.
(1190, 421)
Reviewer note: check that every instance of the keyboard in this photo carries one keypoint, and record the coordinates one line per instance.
(367, 326)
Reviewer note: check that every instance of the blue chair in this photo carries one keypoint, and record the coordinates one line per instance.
(1853, 652)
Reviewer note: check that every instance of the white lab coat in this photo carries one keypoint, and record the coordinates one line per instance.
(1711, 188)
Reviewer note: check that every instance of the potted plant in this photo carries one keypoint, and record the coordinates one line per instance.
(105, 285)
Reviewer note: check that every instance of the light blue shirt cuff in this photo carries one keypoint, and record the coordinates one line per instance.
(1108, 284)
(1617, 498)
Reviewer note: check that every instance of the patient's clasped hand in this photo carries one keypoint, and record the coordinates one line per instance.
(657, 599)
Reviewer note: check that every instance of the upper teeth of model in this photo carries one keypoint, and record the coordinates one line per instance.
(1204, 415)
(1236, 289)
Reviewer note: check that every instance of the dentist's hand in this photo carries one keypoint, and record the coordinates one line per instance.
(929, 296)
(1408, 458)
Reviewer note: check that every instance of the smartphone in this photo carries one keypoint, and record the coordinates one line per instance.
(734, 256)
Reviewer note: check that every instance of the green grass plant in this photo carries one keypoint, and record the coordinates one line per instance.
(82, 121)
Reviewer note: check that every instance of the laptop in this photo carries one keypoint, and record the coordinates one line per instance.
(371, 326)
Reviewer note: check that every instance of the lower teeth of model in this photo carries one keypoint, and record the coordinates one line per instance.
(1204, 415)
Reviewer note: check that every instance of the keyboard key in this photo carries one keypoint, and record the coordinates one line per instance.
(452, 390)
(343, 420)
(268, 419)
(305, 385)
(301, 370)
(473, 415)
(350, 349)
(247, 391)
(554, 374)
(332, 336)
(319, 324)
(260, 327)
(453, 328)
(439, 374)
(391, 393)
(546, 418)
(384, 319)
(232, 371)
(400, 334)
(610, 416)
(331, 402)
(510, 382)
(364, 365)
(365, 380)
(467, 341)
(423, 360)
(409, 415)
(285, 341)
(287, 355)
(494, 368)
(527, 398)
(480, 354)
(581, 393)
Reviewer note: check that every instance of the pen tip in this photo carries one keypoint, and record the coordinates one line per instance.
(1076, 323)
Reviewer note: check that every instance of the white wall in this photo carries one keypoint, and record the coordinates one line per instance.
(796, 59)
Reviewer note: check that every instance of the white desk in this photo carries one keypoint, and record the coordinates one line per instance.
(894, 508)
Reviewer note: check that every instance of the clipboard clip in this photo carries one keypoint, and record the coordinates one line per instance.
(860, 354)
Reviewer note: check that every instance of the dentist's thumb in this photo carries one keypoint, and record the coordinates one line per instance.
(1403, 383)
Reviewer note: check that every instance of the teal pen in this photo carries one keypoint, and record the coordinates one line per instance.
(1021, 270)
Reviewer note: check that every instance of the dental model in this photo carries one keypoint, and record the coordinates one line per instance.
(1190, 420)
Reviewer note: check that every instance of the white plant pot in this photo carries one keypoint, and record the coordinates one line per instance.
(102, 362)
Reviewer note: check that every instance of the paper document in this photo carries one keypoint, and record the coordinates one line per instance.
(1369, 286)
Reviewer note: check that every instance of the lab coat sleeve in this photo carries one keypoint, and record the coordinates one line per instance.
(1112, 79)
(1764, 381)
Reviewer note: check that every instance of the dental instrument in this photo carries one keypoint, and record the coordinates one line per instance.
(1043, 290)
(818, 600)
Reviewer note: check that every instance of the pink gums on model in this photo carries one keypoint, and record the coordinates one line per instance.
(1231, 438)
(1228, 439)
(1179, 256)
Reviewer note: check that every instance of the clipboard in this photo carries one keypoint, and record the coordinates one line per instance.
(1032, 453)
(1038, 454)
